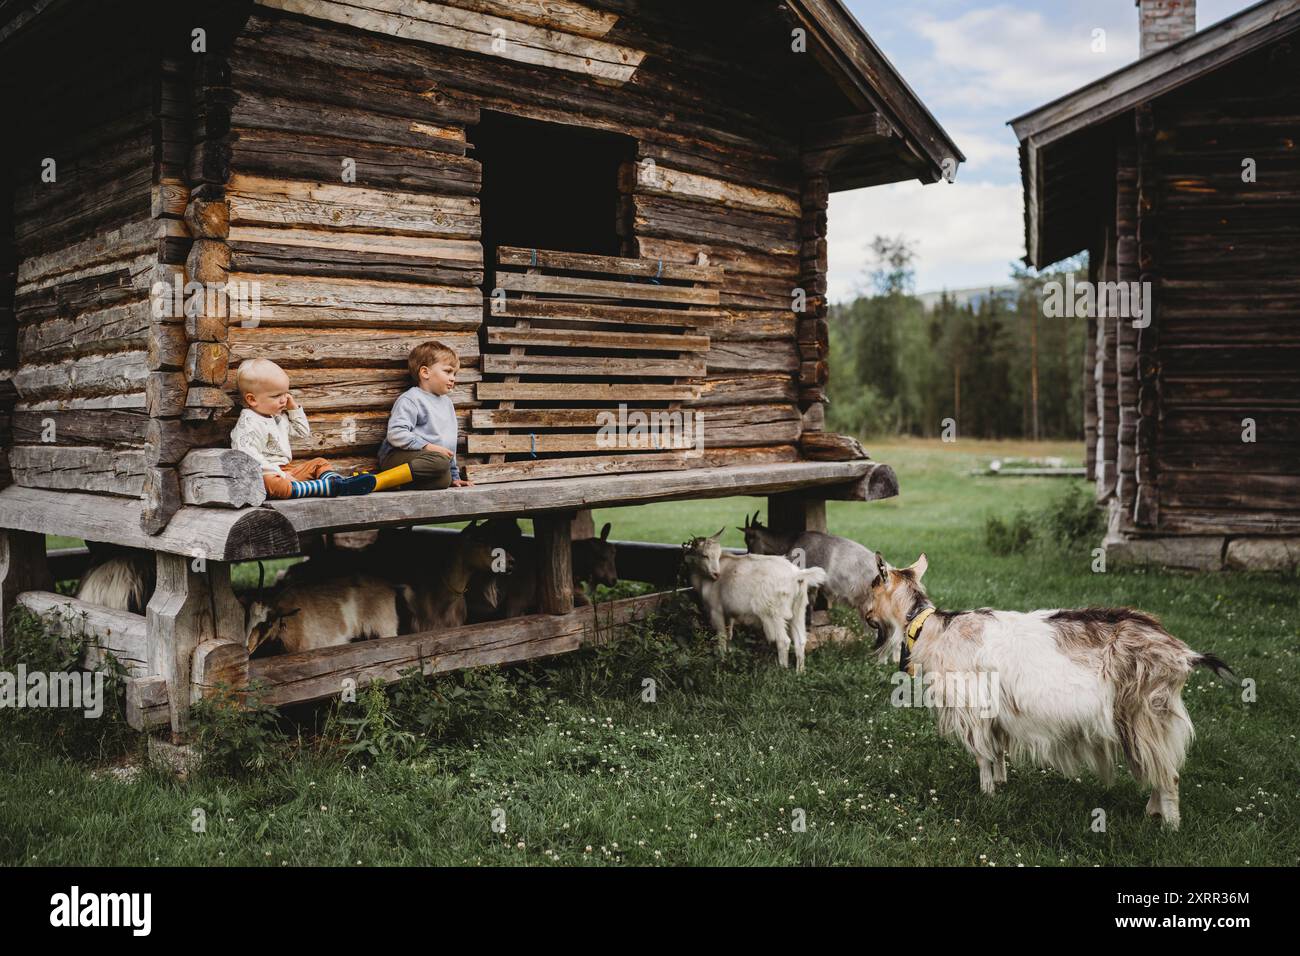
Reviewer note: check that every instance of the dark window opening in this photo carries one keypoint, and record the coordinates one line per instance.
(548, 186)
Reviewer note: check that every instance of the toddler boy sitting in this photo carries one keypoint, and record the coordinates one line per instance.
(422, 426)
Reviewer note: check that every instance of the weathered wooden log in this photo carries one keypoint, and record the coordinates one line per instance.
(103, 630)
(204, 325)
(79, 468)
(117, 327)
(207, 363)
(161, 499)
(208, 219)
(600, 490)
(169, 198)
(147, 705)
(208, 261)
(732, 389)
(880, 482)
(827, 446)
(338, 347)
(116, 374)
(485, 474)
(188, 607)
(167, 347)
(279, 203)
(121, 427)
(217, 534)
(470, 31)
(222, 477)
(165, 394)
(294, 678)
(168, 440)
(554, 562)
(217, 663)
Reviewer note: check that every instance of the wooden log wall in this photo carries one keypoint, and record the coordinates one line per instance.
(1095, 256)
(1104, 380)
(352, 273)
(574, 339)
(1228, 309)
(813, 328)
(8, 323)
(1141, 495)
(1128, 271)
(86, 245)
(319, 152)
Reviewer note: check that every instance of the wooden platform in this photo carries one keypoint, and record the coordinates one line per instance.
(273, 530)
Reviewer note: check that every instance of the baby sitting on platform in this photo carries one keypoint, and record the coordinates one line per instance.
(269, 419)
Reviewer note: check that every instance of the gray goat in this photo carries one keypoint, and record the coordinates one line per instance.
(850, 568)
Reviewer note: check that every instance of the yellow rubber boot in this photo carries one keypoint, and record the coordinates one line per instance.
(394, 477)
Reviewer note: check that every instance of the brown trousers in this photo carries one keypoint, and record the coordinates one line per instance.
(430, 470)
(278, 486)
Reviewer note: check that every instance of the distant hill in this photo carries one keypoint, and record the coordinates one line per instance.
(975, 297)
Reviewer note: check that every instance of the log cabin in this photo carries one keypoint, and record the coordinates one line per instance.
(1183, 171)
(601, 205)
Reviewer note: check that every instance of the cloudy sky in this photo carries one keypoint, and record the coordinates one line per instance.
(977, 64)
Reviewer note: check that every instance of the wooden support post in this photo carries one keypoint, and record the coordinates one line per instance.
(23, 567)
(554, 562)
(192, 603)
(794, 512)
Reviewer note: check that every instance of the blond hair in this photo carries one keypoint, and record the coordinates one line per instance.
(427, 354)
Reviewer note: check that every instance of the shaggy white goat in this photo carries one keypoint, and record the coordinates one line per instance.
(763, 590)
(1070, 688)
(118, 578)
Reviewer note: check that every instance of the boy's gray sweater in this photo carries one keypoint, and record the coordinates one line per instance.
(421, 418)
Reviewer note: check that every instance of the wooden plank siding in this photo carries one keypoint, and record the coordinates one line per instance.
(351, 273)
(84, 243)
(1229, 300)
(322, 153)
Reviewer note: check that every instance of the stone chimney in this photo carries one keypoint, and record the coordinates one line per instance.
(1165, 22)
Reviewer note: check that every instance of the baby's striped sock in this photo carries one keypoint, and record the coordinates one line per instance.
(315, 488)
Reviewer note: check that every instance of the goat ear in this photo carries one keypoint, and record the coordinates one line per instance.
(604, 532)
(919, 566)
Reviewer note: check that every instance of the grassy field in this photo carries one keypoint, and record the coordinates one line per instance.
(581, 770)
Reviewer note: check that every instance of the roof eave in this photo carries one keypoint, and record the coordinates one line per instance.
(1159, 73)
(881, 86)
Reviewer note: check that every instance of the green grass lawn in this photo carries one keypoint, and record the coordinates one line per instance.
(581, 770)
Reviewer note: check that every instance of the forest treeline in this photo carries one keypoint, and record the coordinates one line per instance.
(999, 370)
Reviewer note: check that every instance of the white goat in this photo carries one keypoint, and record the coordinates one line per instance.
(1066, 688)
(763, 590)
(118, 578)
(314, 614)
(850, 568)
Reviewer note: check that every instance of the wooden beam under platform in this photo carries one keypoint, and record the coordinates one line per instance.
(317, 675)
(277, 528)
